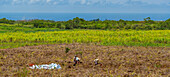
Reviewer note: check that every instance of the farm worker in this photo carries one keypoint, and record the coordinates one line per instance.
(96, 61)
(76, 60)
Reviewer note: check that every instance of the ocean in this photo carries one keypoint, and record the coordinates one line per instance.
(86, 16)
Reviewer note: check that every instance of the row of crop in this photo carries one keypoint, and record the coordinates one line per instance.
(89, 36)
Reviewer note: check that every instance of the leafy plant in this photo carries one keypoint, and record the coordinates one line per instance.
(67, 50)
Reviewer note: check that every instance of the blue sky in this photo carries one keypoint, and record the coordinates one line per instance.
(86, 6)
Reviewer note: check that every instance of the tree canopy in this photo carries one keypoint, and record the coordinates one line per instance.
(80, 23)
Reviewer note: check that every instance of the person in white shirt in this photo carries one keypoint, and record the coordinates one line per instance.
(96, 61)
(76, 60)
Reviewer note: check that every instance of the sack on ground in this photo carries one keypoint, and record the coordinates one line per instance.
(46, 66)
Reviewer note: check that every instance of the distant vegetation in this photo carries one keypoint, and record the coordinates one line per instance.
(79, 23)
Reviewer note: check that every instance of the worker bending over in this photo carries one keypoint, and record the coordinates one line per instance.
(96, 61)
(76, 60)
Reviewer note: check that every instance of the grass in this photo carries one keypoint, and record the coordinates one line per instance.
(99, 37)
(5, 29)
(116, 61)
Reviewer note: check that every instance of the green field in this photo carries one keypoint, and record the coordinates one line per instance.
(12, 28)
(99, 37)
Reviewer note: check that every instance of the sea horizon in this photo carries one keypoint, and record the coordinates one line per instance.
(86, 16)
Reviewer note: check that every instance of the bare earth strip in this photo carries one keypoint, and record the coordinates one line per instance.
(115, 60)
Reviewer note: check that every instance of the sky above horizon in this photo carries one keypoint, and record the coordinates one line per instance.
(85, 6)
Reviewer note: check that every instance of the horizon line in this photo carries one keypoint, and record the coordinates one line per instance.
(95, 12)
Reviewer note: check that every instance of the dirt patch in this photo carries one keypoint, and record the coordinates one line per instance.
(115, 60)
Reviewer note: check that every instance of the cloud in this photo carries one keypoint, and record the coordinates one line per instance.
(85, 2)
(48, 1)
(154, 1)
(33, 1)
(121, 2)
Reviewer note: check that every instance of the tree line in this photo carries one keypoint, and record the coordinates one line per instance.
(80, 23)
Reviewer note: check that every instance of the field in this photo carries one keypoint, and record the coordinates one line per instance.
(122, 53)
(117, 61)
(98, 37)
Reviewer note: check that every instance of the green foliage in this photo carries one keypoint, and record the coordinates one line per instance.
(164, 25)
(79, 23)
(67, 50)
(4, 20)
(80, 53)
(13, 28)
(148, 20)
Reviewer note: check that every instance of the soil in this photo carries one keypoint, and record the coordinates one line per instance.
(114, 61)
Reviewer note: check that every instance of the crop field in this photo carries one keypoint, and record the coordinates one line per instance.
(117, 61)
(122, 53)
(98, 37)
